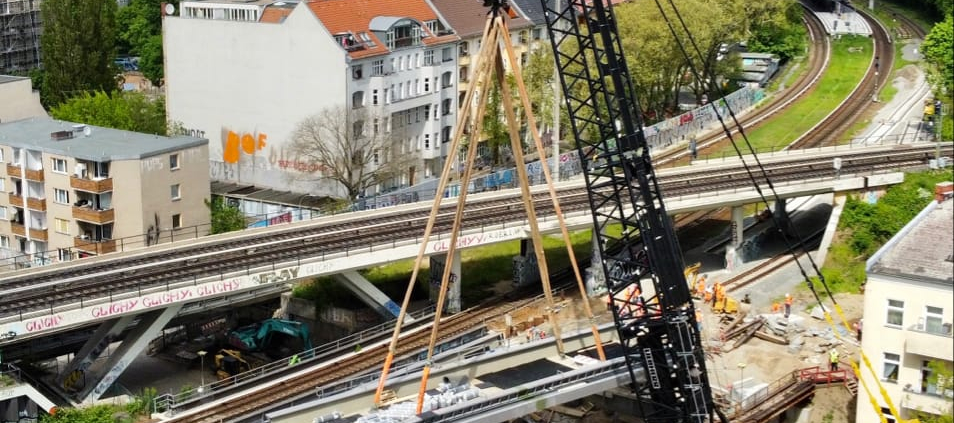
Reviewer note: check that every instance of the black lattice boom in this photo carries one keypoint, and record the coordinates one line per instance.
(651, 301)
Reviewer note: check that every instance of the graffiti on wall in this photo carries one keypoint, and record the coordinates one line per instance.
(236, 143)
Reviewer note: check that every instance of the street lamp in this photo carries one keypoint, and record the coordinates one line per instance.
(201, 370)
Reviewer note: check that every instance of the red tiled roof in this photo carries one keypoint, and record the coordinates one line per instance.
(274, 14)
(354, 16)
(468, 17)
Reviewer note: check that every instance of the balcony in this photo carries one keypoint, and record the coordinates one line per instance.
(932, 403)
(31, 175)
(91, 185)
(101, 246)
(931, 344)
(37, 204)
(18, 229)
(90, 215)
(463, 59)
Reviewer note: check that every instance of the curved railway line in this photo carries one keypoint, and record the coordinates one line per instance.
(818, 56)
(52, 288)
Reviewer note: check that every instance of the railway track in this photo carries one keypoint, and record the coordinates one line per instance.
(831, 129)
(54, 289)
(369, 359)
(818, 56)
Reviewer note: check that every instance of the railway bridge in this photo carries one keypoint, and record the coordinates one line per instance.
(144, 290)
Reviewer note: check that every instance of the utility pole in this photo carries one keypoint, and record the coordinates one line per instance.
(555, 131)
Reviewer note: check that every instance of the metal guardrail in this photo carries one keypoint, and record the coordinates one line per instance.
(174, 401)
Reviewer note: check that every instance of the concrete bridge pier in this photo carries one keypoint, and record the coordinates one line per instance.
(138, 338)
(370, 294)
(452, 304)
(781, 216)
(105, 334)
(525, 269)
(595, 279)
(733, 256)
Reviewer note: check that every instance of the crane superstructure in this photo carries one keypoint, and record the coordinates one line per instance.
(650, 299)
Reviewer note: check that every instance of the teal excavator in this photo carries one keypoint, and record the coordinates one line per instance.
(258, 336)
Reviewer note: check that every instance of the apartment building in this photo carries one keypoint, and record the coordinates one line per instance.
(20, 30)
(75, 190)
(907, 316)
(262, 67)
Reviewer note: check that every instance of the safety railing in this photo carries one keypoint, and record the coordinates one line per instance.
(174, 401)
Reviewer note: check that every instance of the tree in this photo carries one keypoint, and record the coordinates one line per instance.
(141, 35)
(353, 147)
(538, 77)
(938, 51)
(225, 218)
(78, 43)
(128, 111)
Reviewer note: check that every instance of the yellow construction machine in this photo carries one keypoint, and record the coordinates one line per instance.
(229, 363)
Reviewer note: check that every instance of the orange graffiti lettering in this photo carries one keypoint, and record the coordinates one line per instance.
(249, 143)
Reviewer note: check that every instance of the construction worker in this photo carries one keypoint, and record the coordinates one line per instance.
(776, 307)
(293, 360)
(699, 320)
(717, 288)
(788, 305)
(701, 287)
(708, 296)
(833, 358)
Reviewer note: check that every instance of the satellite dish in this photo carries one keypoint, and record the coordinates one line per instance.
(87, 131)
(170, 8)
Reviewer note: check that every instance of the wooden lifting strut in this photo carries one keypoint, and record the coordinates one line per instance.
(495, 43)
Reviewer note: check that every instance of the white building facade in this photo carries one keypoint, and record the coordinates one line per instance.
(263, 67)
(909, 307)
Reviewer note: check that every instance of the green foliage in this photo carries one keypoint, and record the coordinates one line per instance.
(942, 377)
(142, 404)
(938, 51)
(495, 129)
(96, 414)
(128, 111)
(141, 35)
(538, 77)
(864, 228)
(225, 218)
(78, 43)
(784, 35)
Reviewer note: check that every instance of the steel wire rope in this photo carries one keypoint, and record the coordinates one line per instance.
(775, 219)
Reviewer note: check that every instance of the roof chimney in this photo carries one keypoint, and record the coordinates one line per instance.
(61, 135)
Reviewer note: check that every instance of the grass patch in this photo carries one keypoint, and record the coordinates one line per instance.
(482, 268)
(864, 228)
(849, 61)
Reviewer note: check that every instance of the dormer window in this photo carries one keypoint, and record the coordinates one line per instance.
(436, 27)
(404, 34)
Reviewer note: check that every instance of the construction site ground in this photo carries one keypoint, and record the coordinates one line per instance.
(764, 361)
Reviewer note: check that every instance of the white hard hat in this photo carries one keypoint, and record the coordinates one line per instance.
(788, 295)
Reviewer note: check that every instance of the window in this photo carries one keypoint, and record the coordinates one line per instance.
(387, 93)
(895, 312)
(537, 33)
(1, 155)
(429, 58)
(375, 157)
(357, 100)
(377, 68)
(446, 106)
(3, 212)
(3, 185)
(4, 241)
(393, 65)
(357, 71)
(417, 60)
(524, 37)
(462, 49)
(59, 165)
(176, 221)
(436, 110)
(447, 54)
(64, 254)
(61, 226)
(463, 74)
(173, 161)
(892, 362)
(446, 79)
(427, 85)
(61, 196)
(427, 141)
(374, 97)
(358, 128)
(401, 63)
(445, 134)
(174, 190)
(427, 111)
(376, 126)
(933, 320)
(524, 58)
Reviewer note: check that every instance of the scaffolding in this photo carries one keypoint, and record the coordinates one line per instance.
(19, 36)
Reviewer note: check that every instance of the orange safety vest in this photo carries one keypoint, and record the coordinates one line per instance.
(788, 300)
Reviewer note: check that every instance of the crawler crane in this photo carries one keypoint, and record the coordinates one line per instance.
(662, 345)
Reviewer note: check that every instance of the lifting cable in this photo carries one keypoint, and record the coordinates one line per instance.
(775, 219)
